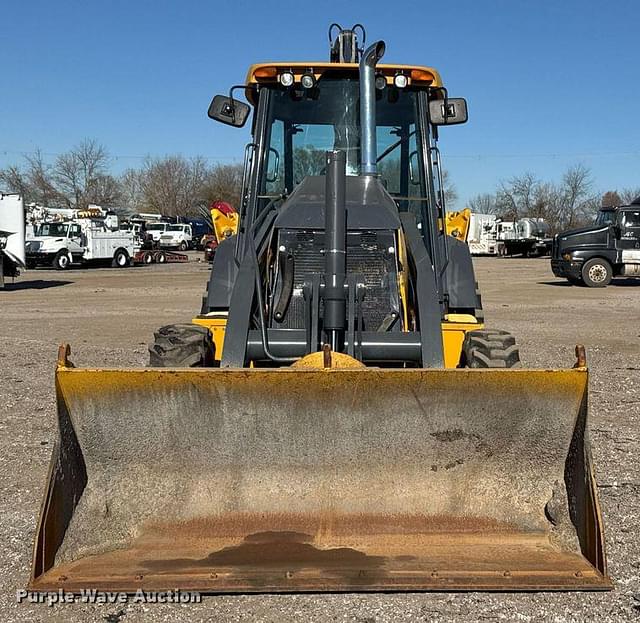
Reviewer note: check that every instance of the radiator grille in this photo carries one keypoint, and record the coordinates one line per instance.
(367, 255)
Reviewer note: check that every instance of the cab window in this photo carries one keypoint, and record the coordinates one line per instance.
(632, 219)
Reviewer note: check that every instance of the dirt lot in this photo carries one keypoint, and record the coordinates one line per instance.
(108, 316)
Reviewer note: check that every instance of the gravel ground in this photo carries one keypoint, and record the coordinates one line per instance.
(108, 317)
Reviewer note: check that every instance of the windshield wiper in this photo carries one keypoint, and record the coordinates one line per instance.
(389, 149)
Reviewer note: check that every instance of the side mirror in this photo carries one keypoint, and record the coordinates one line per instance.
(229, 111)
(451, 111)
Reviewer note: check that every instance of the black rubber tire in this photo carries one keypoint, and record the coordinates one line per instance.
(147, 258)
(61, 260)
(601, 268)
(120, 259)
(183, 245)
(490, 348)
(161, 258)
(181, 346)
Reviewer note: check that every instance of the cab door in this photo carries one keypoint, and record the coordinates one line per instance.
(630, 229)
(76, 243)
(629, 242)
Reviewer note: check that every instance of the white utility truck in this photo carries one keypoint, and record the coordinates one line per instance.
(12, 256)
(82, 240)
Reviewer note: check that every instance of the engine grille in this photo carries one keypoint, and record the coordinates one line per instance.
(367, 256)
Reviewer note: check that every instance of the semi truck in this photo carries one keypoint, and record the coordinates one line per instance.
(593, 256)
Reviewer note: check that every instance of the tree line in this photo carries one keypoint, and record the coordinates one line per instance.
(172, 185)
(572, 202)
(175, 185)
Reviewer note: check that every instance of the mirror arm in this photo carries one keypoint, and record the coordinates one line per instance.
(446, 103)
(234, 88)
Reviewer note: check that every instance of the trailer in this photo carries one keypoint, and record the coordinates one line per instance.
(12, 232)
(529, 237)
(155, 256)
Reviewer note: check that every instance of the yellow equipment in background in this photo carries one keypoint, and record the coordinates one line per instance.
(225, 220)
(457, 224)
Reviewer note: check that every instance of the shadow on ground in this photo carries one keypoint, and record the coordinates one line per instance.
(615, 282)
(36, 284)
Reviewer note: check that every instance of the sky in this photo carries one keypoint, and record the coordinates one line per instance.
(549, 84)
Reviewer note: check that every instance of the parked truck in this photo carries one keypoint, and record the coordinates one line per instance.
(594, 255)
(482, 238)
(12, 257)
(528, 237)
(79, 241)
(178, 236)
(155, 231)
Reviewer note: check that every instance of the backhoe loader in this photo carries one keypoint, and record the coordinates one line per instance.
(337, 417)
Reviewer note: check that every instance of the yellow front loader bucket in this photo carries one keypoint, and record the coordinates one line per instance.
(303, 479)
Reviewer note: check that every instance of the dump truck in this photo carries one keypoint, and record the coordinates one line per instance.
(335, 418)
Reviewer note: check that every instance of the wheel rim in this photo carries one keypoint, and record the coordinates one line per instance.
(597, 273)
(121, 259)
(63, 261)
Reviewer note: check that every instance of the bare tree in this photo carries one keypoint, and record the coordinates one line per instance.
(223, 184)
(611, 199)
(450, 191)
(483, 204)
(14, 180)
(131, 195)
(81, 175)
(515, 198)
(563, 205)
(173, 185)
(627, 195)
(43, 189)
(577, 201)
(33, 181)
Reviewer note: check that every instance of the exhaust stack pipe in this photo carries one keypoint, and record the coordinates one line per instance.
(335, 232)
(368, 149)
